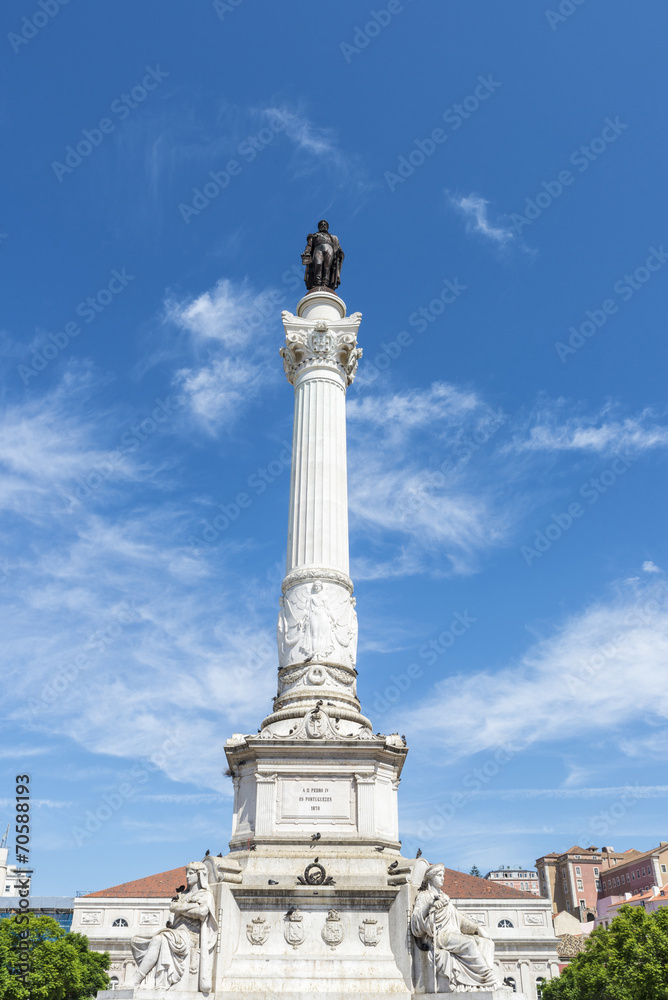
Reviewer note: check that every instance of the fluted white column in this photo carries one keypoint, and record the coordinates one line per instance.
(317, 624)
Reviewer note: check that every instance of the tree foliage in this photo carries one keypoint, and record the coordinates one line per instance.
(475, 871)
(59, 965)
(626, 961)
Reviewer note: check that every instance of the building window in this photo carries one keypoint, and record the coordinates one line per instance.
(622, 880)
(568, 905)
(509, 981)
(580, 885)
(633, 876)
(504, 923)
(578, 870)
(664, 869)
(596, 871)
(120, 922)
(643, 873)
(539, 987)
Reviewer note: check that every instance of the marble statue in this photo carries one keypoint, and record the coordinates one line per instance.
(322, 258)
(463, 953)
(189, 943)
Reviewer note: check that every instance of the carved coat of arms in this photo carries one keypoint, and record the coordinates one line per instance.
(257, 931)
(332, 932)
(370, 931)
(293, 928)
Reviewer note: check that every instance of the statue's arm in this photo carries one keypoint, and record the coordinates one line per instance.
(469, 926)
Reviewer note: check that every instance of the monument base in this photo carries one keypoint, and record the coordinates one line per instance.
(503, 993)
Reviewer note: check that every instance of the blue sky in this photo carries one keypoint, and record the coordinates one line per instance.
(494, 174)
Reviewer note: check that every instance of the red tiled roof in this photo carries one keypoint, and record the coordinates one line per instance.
(159, 886)
(461, 886)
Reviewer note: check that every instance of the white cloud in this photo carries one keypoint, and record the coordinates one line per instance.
(598, 433)
(411, 487)
(649, 567)
(230, 324)
(474, 210)
(576, 680)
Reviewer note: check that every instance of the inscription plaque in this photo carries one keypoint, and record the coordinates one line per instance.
(321, 799)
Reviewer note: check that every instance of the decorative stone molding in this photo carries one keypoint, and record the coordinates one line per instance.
(317, 573)
(534, 919)
(91, 916)
(257, 931)
(321, 343)
(316, 724)
(149, 918)
(333, 933)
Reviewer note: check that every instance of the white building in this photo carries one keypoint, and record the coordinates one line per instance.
(524, 879)
(9, 874)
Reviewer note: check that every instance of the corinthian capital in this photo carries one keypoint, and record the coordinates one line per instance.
(321, 343)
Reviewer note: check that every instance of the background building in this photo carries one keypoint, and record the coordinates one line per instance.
(8, 874)
(636, 877)
(57, 907)
(572, 880)
(524, 879)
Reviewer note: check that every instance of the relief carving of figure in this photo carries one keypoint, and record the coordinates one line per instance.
(189, 944)
(322, 259)
(463, 953)
(315, 625)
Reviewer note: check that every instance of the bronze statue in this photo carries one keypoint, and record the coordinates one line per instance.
(322, 259)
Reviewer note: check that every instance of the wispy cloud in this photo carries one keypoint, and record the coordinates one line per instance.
(474, 208)
(601, 432)
(576, 678)
(228, 326)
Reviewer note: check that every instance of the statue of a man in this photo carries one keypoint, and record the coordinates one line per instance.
(193, 933)
(322, 258)
(463, 953)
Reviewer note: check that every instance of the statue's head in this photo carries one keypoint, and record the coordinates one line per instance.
(196, 874)
(316, 588)
(435, 875)
(323, 226)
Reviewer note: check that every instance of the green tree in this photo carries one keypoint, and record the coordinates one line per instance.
(475, 871)
(60, 965)
(626, 961)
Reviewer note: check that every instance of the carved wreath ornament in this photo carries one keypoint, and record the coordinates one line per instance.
(315, 874)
